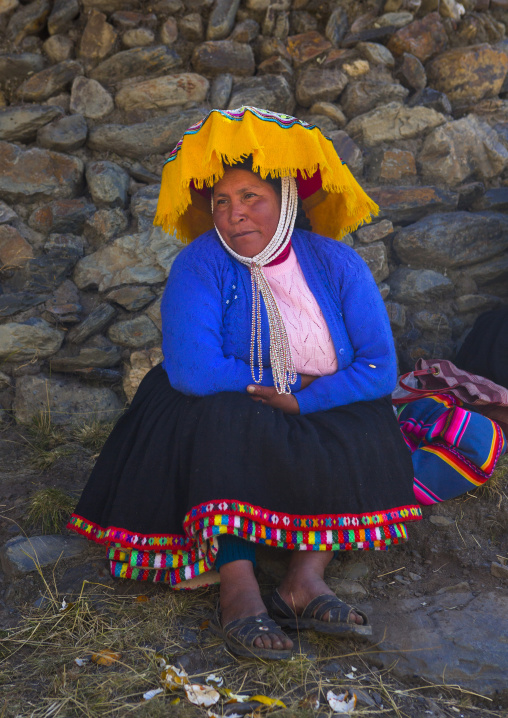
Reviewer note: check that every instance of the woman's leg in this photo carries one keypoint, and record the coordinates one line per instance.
(239, 590)
(304, 581)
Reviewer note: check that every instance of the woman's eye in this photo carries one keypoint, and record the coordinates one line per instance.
(249, 195)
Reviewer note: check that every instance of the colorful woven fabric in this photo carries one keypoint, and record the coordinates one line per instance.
(332, 199)
(453, 450)
(173, 559)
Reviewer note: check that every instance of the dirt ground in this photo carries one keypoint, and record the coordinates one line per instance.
(74, 610)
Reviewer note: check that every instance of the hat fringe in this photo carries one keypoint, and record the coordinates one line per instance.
(223, 139)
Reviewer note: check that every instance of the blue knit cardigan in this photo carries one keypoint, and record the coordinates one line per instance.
(206, 323)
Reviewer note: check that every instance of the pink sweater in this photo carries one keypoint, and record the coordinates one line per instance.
(311, 344)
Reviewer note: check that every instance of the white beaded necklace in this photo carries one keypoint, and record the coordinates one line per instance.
(283, 368)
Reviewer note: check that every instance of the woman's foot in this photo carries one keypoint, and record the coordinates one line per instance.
(304, 581)
(240, 597)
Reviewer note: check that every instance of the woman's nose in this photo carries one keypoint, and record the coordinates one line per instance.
(236, 212)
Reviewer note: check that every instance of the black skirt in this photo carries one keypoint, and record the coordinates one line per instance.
(177, 471)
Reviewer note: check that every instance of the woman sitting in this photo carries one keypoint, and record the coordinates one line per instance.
(269, 420)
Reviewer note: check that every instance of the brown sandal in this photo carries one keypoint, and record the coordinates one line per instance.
(338, 620)
(239, 636)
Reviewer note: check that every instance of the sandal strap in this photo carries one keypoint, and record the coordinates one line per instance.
(339, 612)
(245, 630)
(282, 609)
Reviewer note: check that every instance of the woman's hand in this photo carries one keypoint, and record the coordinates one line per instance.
(269, 395)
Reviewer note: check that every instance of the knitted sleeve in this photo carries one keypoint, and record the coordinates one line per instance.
(192, 341)
(372, 373)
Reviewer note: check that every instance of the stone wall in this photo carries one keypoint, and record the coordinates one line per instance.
(94, 95)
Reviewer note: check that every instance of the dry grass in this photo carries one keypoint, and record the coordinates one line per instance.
(39, 677)
(48, 509)
(93, 434)
(496, 488)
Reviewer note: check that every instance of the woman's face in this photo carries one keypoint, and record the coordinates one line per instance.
(246, 211)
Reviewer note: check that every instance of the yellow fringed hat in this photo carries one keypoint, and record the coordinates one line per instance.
(280, 145)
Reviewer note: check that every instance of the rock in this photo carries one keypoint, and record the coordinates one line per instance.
(491, 275)
(98, 38)
(16, 68)
(495, 199)
(306, 47)
(337, 26)
(269, 92)
(397, 166)
(476, 303)
(169, 31)
(328, 109)
(412, 72)
(21, 555)
(157, 136)
(90, 99)
(421, 38)
(63, 307)
(37, 174)
(65, 400)
(43, 274)
(270, 46)
(276, 66)
(216, 57)
(28, 20)
(64, 135)
(95, 322)
(108, 183)
(245, 31)
(441, 520)
(15, 251)
(366, 94)
(431, 322)
(191, 27)
(64, 215)
(220, 91)
(160, 92)
(21, 123)
(348, 151)
(144, 205)
(377, 34)
(222, 19)
(143, 258)
(393, 122)
(58, 48)
(85, 357)
(130, 20)
(394, 19)
(135, 333)
(468, 74)
(346, 587)
(463, 643)
(26, 340)
(7, 214)
(376, 53)
(13, 303)
(314, 85)
(131, 298)
(418, 286)
(396, 315)
(65, 245)
(49, 82)
(141, 362)
(154, 312)
(452, 240)
(376, 257)
(354, 69)
(403, 205)
(138, 37)
(7, 6)
(374, 232)
(104, 225)
(138, 62)
(499, 570)
(432, 99)
(62, 14)
(460, 149)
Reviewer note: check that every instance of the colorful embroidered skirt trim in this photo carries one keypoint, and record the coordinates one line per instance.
(172, 559)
